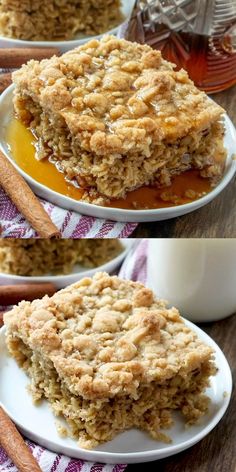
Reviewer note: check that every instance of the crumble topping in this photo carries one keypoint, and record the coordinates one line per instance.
(107, 337)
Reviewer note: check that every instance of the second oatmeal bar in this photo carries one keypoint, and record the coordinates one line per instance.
(109, 356)
(31, 257)
(116, 116)
(53, 20)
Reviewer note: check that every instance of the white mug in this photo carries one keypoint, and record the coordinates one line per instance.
(198, 276)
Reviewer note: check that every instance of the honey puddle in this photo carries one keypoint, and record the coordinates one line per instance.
(21, 143)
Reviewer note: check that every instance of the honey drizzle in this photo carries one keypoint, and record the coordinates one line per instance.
(152, 197)
(22, 143)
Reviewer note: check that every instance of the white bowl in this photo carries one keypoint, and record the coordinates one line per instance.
(63, 46)
(115, 214)
(132, 446)
(77, 273)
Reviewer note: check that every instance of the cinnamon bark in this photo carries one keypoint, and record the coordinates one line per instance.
(11, 58)
(5, 81)
(1, 318)
(25, 200)
(11, 294)
(15, 447)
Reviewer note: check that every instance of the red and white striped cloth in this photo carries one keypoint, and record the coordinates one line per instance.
(51, 462)
(71, 224)
(134, 267)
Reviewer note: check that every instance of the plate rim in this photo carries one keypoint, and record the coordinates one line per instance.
(151, 455)
(120, 214)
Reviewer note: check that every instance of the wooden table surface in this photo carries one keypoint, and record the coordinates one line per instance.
(215, 220)
(217, 451)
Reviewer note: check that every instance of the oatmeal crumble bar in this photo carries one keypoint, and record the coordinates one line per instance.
(115, 116)
(32, 257)
(53, 20)
(109, 356)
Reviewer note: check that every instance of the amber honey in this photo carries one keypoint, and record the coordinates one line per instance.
(152, 197)
(22, 143)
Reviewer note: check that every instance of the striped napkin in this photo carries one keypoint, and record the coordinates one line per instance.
(71, 224)
(134, 267)
(51, 462)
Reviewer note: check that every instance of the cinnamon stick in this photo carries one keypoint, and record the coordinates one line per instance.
(11, 58)
(5, 81)
(11, 294)
(1, 318)
(15, 447)
(25, 200)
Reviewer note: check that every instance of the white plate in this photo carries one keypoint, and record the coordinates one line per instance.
(133, 446)
(63, 46)
(116, 214)
(79, 271)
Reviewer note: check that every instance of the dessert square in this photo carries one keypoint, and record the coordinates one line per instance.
(110, 356)
(52, 20)
(114, 116)
(31, 257)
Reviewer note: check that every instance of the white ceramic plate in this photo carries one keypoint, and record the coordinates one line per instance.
(133, 446)
(61, 281)
(116, 214)
(63, 46)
